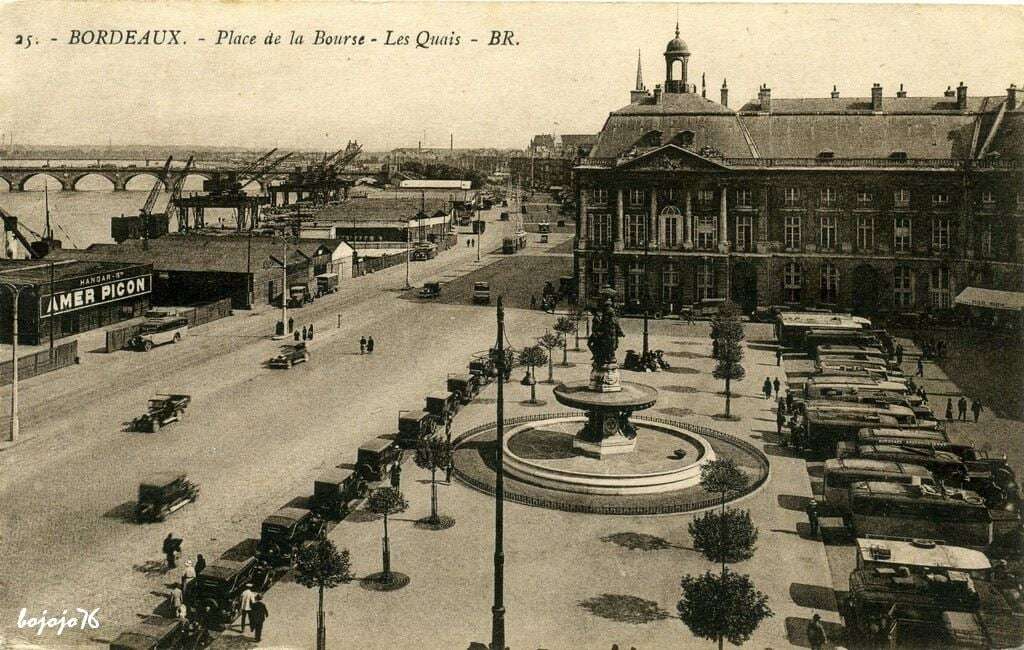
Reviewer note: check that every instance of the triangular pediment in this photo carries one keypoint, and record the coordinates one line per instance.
(671, 157)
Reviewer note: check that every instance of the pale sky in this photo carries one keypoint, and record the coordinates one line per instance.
(574, 64)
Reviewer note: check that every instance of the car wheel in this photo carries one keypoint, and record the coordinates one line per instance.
(154, 425)
(177, 337)
(147, 346)
(288, 363)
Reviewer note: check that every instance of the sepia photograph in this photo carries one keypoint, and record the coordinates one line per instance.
(506, 325)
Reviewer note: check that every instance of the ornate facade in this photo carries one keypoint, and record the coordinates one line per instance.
(872, 204)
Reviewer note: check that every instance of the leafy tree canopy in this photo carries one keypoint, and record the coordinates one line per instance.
(722, 606)
(387, 500)
(433, 453)
(736, 542)
(533, 355)
(321, 564)
(721, 476)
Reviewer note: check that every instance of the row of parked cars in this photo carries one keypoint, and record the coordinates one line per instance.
(930, 515)
(213, 598)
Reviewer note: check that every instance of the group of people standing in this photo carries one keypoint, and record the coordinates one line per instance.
(770, 385)
(306, 334)
(976, 408)
(366, 345)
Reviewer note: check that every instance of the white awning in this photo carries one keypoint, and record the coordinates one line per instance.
(976, 297)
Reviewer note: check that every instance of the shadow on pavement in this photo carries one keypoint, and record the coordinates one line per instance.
(242, 550)
(793, 502)
(813, 596)
(124, 512)
(781, 452)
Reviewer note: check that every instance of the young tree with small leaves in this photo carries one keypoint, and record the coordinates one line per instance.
(320, 565)
(710, 540)
(727, 332)
(387, 501)
(564, 326)
(531, 357)
(720, 607)
(433, 453)
(722, 477)
(550, 342)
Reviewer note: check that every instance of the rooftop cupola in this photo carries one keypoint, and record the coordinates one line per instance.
(676, 52)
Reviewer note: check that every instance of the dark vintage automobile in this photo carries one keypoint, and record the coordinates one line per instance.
(430, 290)
(215, 595)
(161, 494)
(414, 426)
(482, 367)
(290, 355)
(334, 490)
(464, 387)
(441, 405)
(285, 531)
(150, 633)
(162, 409)
(375, 457)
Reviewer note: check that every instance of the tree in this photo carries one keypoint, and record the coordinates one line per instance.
(549, 342)
(579, 315)
(387, 501)
(709, 538)
(433, 453)
(722, 607)
(564, 326)
(721, 476)
(531, 357)
(319, 565)
(727, 332)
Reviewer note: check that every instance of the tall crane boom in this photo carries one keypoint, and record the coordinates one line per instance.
(172, 202)
(351, 151)
(261, 173)
(154, 192)
(251, 167)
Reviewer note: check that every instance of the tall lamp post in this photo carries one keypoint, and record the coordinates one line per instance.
(498, 609)
(646, 300)
(478, 233)
(15, 294)
(408, 253)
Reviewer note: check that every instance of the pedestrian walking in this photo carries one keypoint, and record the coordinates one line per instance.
(766, 388)
(362, 345)
(170, 548)
(258, 614)
(182, 612)
(976, 408)
(200, 563)
(923, 393)
(448, 469)
(533, 301)
(812, 517)
(187, 575)
(778, 356)
(780, 417)
(177, 597)
(291, 324)
(899, 354)
(961, 406)
(369, 345)
(776, 385)
(305, 334)
(949, 408)
(311, 331)
(296, 335)
(396, 475)
(248, 598)
(789, 401)
(920, 367)
(816, 636)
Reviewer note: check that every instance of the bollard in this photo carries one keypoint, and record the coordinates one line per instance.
(339, 321)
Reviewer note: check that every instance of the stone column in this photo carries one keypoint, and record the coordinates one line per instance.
(723, 223)
(620, 217)
(583, 234)
(652, 223)
(762, 220)
(688, 222)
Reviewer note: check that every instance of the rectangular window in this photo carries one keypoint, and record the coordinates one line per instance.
(600, 196)
(901, 234)
(707, 231)
(829, 197)
(940, 199)
(865, 233)
(865, 199)
(829, 283)
(791, 197)
(599, 274)
(600, 228)
(987, 198)
(903, 287)
(792, 280)
(940, 234)
(792, 234)
(986, 240)
(671, 231)
(938, 288)
(744, 198)
(705, 197)
(635, 230)
(827, 233)
(669, 285)
(901, 198)
(706, 281)
(744, 233)
(636, 197)
(634, 288)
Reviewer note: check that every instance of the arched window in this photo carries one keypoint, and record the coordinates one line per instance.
(670, 218)
(792, 281)
(829, 283)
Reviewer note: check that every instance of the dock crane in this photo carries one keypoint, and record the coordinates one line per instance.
(176, 187)
(255, 176)
(146, 213)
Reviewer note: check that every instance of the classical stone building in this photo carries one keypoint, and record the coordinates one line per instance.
(873, 203)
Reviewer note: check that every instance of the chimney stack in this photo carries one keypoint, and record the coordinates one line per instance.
(1012, 98)
(961, 96)
(725, 93)
(657, 94)
(703, 87)
(949, 92)
(764, 97)
(876, 97)
(835, 93)
(901, 93)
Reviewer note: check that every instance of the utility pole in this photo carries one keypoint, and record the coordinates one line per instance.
(479, 232)
(284, 287)
(408, 253)
(15, 293)
(646, 301)
(498, 609)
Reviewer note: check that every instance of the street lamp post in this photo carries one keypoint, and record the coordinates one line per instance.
(15, 294)
(408, 254)
(498, 609)
(284, 287)
(478, 233)
(646, 304)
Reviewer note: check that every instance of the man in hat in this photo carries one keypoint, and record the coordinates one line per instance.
(248, 598)
(257, 615)
(170, 548)
(816, 636)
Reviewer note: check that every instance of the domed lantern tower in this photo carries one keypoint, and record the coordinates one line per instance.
(676, 51)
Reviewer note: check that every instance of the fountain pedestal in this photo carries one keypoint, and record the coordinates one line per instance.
(608, 430)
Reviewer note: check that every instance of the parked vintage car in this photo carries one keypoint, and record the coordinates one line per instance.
(375, 457)
(299, 296)
(430, 290)
(215, 595)
(161, 494)
(481, 293)
(441, 405)
(326, 283)
(414, 426)
(290, 355)
(150, 633)
(334, 490)
(464, 387)
(284, 532)
(482, 367)
(163, 409)
(157, 331)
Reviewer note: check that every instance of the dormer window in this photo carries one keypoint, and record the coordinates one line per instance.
(898, 156)
(684, 138)
(827, 154)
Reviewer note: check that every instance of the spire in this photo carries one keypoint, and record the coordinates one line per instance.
(639, 73)
(677, 21)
